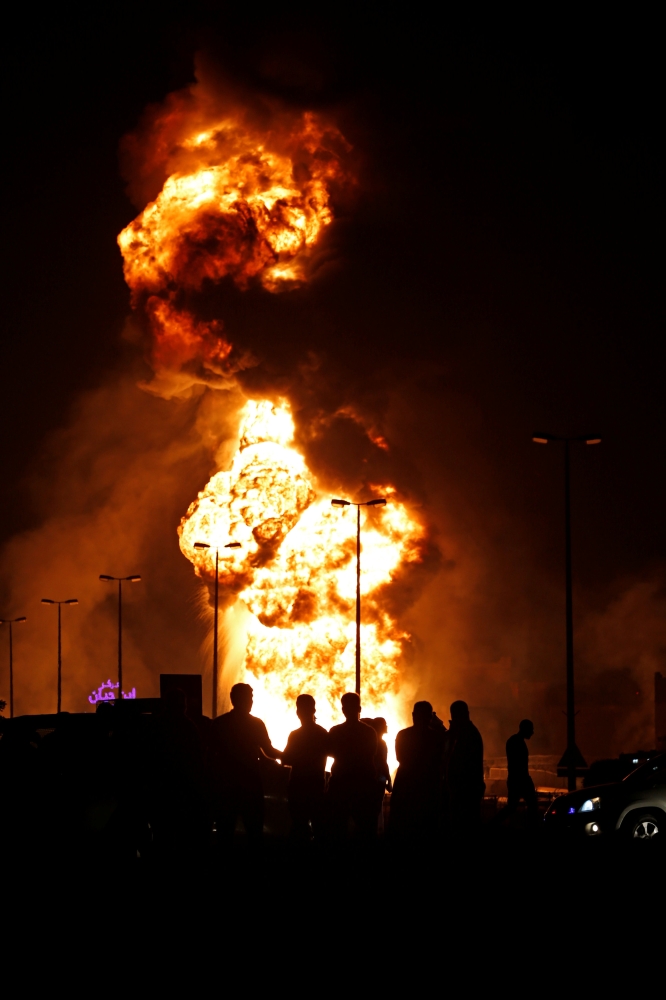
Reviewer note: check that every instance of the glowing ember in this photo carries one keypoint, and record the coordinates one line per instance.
(108, 692)
(296, 574)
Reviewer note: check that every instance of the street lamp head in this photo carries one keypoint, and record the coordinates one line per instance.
(233, 545)
(340, 503)
(72, 600)
(541, 438)
(201, 545)
(46, 600)
(376, 503)
(106, 577)
(21, 619)
(133, 579)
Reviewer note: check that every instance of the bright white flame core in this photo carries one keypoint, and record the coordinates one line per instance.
(296, 575)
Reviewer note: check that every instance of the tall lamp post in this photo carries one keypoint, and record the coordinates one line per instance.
(10, 622)
(205, 545)
(47, 600)
(381, 502)
(120, 580)
(572, 758)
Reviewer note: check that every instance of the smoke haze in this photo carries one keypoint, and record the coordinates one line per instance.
(452, 310)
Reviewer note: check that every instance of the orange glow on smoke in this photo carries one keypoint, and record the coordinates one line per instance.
(296, 574)
(248, 204)
(244, 205)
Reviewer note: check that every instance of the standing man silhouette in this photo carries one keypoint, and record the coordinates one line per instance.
(306, 752)
(415, 803)
(238, 743)
(352, 790)
(464, 772)
(519, 783)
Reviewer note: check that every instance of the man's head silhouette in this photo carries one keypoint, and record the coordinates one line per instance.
(305, 708)
(241, 698)
(380, 726)
(351, 706)
(526, 729)
(422, 713)
(459, 711)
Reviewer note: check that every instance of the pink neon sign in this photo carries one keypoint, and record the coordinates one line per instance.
(107, 692)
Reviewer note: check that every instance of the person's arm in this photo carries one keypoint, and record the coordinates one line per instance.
(288, 750)
(267, 747)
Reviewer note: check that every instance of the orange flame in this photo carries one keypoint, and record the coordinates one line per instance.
(242, 206)
(296, 574)
(248, 204)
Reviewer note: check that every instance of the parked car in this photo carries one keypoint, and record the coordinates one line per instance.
(634, 808)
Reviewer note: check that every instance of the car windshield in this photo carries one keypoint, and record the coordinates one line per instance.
(653, 770)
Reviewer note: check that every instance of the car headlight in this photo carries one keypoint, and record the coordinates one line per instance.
(589, 805)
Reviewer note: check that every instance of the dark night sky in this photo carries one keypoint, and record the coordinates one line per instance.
(503, 258)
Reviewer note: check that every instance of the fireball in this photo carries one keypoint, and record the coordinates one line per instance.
(295, 573)
(243, 206)
(249, 205)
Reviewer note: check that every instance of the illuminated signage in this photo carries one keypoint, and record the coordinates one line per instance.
(108, 692)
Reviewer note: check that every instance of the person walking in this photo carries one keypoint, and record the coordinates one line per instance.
(519, 783)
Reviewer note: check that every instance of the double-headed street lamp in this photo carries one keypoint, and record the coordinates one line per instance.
(205, 545)
(120, 580)
(381, 502)
(47, 600)
(572, 758)
(10, 622)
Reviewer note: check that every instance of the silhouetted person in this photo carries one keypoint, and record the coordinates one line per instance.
(306, 752)
(239, 741)
(464, 771)
(352, 790)
(415, 803)
(381, 764)
(519, 783)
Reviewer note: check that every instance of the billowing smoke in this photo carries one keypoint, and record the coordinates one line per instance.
(110, 487)
(247, 202)
(261, 296)
(244, 195)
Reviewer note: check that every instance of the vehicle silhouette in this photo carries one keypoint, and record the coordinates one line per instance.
(634, 808)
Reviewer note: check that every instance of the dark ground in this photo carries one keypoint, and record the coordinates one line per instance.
(515, 876)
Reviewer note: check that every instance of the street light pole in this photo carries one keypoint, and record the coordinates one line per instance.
(10, 622)
(572, 757)
(47, 600)
(135, 578)
(380, 502)
(205, 545)
(571, 708)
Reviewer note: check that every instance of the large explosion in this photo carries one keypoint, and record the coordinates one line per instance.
(250, 205)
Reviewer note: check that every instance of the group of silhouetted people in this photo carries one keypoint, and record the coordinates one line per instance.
(439, 783)
(163, 783)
